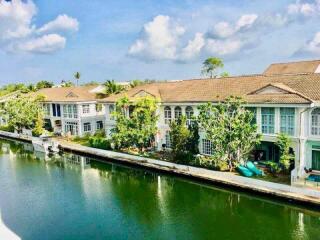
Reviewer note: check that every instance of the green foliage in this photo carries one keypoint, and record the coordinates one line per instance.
(284, 143)
(224, 74)
(135, 83)
(179, 136)
(7, 128)
(211, 66)
(10, 88)
(38, 128)
(113, 88)
(67, 83)
(77, 76)
(24, 112)
(140, 127)
(184, 140)
(99, 142)
(228, 126)
(44, 84)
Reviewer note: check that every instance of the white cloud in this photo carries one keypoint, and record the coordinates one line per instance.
(193, 47)
(159, 39)
(225, 29)
(16, 18)
(304, 8)
(45, 44)
(224, 47)
(18, 33)
(61, 23)
(312, 47)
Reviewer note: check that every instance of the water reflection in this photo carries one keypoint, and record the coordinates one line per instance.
(71, 192)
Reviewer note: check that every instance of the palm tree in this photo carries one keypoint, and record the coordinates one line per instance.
(210, 67)
(112, 87)
(77, 77)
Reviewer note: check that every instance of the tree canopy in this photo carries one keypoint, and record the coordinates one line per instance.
(229, 127)
(113, 88)
(24, 112)
(211, 66)
(136, 122)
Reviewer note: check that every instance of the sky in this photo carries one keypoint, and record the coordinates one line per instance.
(151, 39)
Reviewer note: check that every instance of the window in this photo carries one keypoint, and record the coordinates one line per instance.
(71, 127)
(111, 110)
(168, 139)
(98, 107)
(87, 127)
(315, 122)
(70, 111)
(86, 108)
(254, 111)
(267, 120)
(56, 110)
(287, 119)
(46, 109)
(189, 115)
(167, 115)
(99, 125)
(177, 112)
(207, 147)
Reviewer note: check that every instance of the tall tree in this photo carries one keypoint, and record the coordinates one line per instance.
(136, 122)
(77, 76)
(210, 67)
(229, 127)
(24, 112)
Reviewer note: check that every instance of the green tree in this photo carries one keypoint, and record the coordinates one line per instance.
(224, 74)
(284, 142)
(210, 67)
(77, 76)
(193, 141)
(44, 84)
(113, 88)
(136, 82)
(229, 127)
(179, 137)
(136, 122)
(24, 112)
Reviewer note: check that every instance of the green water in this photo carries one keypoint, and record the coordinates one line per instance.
(73, 197)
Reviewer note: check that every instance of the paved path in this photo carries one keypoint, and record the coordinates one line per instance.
(280, 190)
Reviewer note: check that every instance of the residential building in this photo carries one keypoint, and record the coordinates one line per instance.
(73, 109)
(282, 99)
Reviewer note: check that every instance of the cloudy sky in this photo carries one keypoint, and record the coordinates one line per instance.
(155, 39)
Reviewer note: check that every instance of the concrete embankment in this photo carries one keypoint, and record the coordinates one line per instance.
(291, 193)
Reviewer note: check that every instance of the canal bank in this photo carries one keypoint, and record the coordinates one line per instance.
(285, 192)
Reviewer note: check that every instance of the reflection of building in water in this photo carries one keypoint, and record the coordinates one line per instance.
(76, 161)
(5, 148)
(28, 147)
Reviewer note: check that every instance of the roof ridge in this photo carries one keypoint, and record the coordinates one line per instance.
(297, 61)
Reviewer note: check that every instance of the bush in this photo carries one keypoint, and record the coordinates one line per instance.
(7, 128)
(99, 142)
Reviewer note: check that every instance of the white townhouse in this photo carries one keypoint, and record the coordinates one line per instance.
(285, 98)
(73, 109)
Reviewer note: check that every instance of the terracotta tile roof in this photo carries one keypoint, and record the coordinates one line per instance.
(68, 94)
(293, 67)
(299, 88)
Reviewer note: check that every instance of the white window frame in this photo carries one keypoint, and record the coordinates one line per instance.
(287, 121)
(87, 127)
(111, 109)
(177, 112)
(167, 115)
(86, 108)
(206, 147)
(189, 114)
(315, 122)
(267, 121)
(168, 139)
(99, 125)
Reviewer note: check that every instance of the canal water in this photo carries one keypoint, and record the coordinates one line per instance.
(74, 197)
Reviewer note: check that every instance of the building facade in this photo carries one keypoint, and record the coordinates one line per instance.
(282, 103)
(73, 110)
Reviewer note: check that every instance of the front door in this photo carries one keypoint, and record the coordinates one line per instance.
(316, 160)
(72, 128)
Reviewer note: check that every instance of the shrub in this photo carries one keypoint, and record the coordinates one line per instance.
(99, 142)
(7, 128)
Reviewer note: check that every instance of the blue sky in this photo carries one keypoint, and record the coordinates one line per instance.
(163, 39)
